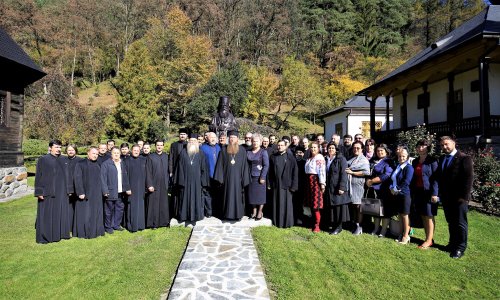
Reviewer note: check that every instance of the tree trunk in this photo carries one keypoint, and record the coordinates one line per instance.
(286, 117)
(73, 72)
(92, 69)
(117, 63)
(167, 115)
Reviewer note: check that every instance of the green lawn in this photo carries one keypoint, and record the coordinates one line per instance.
(303, 265)
(118, 266)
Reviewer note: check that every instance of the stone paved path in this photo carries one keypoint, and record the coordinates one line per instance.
(221, 262)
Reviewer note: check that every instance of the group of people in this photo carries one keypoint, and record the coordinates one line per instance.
(208, 175)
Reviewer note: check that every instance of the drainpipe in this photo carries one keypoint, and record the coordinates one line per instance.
(347, 121)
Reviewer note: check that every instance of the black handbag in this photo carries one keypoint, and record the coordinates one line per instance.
(371, 205)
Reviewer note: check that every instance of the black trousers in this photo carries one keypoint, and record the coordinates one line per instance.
(207, 200)
(113, 213)
(456, 216)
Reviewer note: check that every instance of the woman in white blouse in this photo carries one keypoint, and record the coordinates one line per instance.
(315, 169)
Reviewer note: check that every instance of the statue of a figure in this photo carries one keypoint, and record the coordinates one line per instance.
(223, 120)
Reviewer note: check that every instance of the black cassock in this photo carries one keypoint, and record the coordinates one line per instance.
(283, 181)
(89, 219)
(234, 178)
(70, 181)
(52, 219)
(157, 176)
(135, 217)
(173, 161)
(191, 176)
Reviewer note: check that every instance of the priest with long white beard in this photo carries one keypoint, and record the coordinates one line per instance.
(191, 175)
(232, 172)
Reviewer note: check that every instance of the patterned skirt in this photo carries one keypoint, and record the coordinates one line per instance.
(314, 196)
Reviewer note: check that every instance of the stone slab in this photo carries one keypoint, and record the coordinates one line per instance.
(220, 262)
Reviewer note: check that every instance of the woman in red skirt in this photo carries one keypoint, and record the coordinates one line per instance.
(316, 182)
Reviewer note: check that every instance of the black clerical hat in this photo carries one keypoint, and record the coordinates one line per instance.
(233, 132)
(183, 130)
(193, 136)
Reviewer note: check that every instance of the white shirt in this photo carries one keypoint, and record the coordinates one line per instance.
(394, 185)
(316, 165)
(118, 166)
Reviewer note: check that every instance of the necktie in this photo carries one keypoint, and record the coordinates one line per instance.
(447, 161)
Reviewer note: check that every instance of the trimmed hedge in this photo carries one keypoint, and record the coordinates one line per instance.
(33, 147)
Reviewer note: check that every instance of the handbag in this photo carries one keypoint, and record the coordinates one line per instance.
(371, 205)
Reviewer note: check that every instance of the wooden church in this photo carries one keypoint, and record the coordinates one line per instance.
(17, 71)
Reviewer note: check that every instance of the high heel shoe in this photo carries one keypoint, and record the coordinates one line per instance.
(404, 241)
(258, 218)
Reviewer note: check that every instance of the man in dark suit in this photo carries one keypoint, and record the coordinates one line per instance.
(455, 177)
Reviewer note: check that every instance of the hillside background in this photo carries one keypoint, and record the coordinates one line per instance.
(134, 69)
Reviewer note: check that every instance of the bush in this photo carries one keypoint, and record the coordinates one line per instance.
(34, 147)
(246, 125)
(486, 187)
(411, 137)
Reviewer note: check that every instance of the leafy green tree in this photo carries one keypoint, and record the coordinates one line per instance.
(262, 93)
(325, 25)
(137, 103)
(298, 88)
(184, 62)
(381, 26)
(232, 82)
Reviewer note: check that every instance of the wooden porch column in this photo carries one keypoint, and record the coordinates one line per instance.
(387, 120)
(372, 102)
(451, 100)
(426, 106)
(404, 112)
(484, 98)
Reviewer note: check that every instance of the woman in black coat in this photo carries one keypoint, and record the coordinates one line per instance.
(336, 188)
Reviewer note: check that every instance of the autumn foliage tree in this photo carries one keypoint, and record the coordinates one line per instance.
(184, 62)
(298, 88)
(262, 95)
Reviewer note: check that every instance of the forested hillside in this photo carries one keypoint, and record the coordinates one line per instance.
(167, 62)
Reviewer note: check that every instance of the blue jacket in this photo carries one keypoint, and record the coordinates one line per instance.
(109, 179)
(429, 169)
(211, 154)
(403, 179)
(382, 170)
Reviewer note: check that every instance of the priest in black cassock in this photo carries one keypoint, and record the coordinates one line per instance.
(175, 151)
(72, 159)
(51, 189)
(233, 173)
(157, 177)
(89, 215)
(103, 153)
(283, 182)
(191, 176)
(136, 168)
